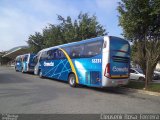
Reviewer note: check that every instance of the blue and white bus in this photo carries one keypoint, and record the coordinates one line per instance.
(18, 63)
(98, 62)
(25, 63)
(28, 63)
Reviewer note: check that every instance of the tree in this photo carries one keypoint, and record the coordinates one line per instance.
(4, 60)
(36, 42)
(84, 27)
(140, 20)
(89, 27)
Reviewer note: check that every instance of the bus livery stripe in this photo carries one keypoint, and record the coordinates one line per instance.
(119, 76)
(71, 64)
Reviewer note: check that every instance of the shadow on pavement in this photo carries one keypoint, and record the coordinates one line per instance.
(6, 78)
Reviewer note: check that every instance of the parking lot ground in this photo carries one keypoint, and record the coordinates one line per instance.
(27, 93)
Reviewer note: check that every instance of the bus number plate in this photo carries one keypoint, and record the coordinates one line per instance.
(120, 82)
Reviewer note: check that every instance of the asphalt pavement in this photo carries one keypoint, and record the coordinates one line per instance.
(27, 93)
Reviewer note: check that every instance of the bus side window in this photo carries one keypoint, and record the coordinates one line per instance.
(44, 56)
(21, 59)
(93, 48)
(18, 59)
(55, 54)
(25, 58)
(49, 55)
(77, 51)
(35, 59)
(52, 54)
(68, 50)
(60, 54)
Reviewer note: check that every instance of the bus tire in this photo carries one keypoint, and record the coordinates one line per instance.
(72, 80)
(40, 74)
(16, 69)
(22, 70)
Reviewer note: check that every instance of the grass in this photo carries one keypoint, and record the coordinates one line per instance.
(154, 87)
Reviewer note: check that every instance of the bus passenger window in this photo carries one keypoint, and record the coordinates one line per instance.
(35, 59)
(73, 53)
(55, 54)
(44, 56)
(50, 54)
(60, 54)
(77, 51)
(25, 58)
(68, 50)
(92, 49)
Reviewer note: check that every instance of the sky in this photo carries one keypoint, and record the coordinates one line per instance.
(21, 18)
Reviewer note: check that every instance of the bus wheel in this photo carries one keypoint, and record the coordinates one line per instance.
(22, 70)
(40, 74)
(16, 69)
(72, 80)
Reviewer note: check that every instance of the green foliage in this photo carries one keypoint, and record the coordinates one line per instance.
(66, 31)
(140, 20)
(155, 87)
(133, 53)
(4, 60)
(36, 42)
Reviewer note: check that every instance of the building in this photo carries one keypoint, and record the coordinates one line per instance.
(12, 53)
(9, 56)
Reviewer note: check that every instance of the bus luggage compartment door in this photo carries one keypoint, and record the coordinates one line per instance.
(93, 78)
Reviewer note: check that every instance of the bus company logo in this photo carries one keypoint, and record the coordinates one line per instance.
(116, 69)
(49, 64)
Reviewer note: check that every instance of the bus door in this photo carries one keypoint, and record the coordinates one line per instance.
(24, 63)
(31, 63)
(19, 63)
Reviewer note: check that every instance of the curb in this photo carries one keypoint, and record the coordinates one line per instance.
(142, 91)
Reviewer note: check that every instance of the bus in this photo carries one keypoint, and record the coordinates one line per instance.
(97, 62)
(18, 63)
(25, 63)
(28, 63)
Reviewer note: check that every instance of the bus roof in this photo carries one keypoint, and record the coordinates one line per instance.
(25, 54)
(79, 42)
(74, 43)
(118, 38)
